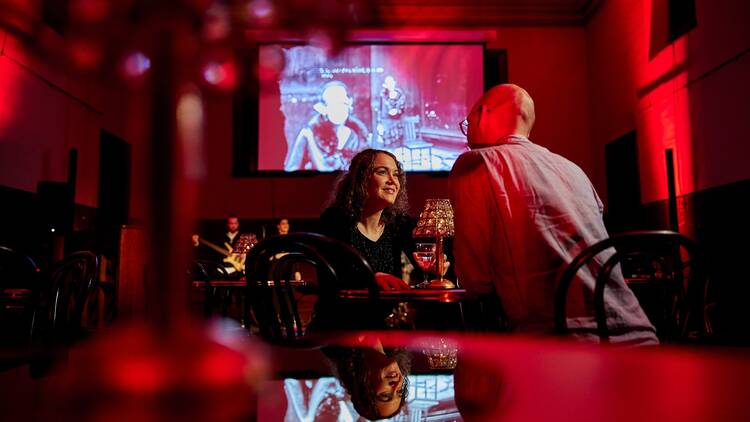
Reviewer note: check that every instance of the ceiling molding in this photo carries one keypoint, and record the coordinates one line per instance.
(455, 13)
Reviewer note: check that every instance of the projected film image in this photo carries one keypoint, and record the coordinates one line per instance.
(431, 397)
(407, 99)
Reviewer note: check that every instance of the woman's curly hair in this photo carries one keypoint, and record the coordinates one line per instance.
(351, 188)
(351, 369)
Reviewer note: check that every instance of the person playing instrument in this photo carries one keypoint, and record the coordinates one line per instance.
(224, 251)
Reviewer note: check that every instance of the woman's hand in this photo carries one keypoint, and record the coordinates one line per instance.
(390, 282)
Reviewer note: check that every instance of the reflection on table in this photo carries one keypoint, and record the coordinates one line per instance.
(515, 378)
(427, 295)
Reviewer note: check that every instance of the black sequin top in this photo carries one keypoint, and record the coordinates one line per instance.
(383, 255)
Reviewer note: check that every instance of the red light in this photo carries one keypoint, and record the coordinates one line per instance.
(136, 64)
(222, 75)
(139, 374)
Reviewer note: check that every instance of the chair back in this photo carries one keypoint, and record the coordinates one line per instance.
(663, 268)
(269, 269)
(19, 287)
(72, 281)
(207, 272)
(16, 269)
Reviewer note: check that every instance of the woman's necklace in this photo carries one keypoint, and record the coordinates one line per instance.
(374, 236)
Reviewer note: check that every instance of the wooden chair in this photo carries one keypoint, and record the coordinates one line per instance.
(271, 284)
(666, 263)
(72, 282)
(19, 290)
(208, 272)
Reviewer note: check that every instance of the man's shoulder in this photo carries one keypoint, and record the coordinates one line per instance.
(469, 161)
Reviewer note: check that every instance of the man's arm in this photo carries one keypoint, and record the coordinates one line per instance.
(471, 195)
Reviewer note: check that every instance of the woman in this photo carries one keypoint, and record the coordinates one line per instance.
(369, 212)
(375, 377)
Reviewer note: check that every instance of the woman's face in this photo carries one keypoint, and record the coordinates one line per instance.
(388, 384)
(383, 187)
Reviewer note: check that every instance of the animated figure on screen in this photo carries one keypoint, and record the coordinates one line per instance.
(332, 137)
(392, 103)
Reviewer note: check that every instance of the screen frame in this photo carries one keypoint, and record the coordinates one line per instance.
(246, 107)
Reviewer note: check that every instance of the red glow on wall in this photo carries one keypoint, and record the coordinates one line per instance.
(9, 90)
(89, 10)
(664, 122)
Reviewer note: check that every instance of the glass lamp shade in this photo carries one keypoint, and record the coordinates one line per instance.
(435, 220)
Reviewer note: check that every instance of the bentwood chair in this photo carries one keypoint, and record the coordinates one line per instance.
(60, 316)
(270, 268)
(663, 268)
(19, 287)
(208, 272)
(72, 283)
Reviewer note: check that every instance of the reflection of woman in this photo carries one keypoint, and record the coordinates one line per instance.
(369, 212)
(374, 377)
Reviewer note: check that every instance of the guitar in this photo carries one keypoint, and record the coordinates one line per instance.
(236, 260)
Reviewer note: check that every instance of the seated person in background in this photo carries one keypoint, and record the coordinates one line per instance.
(374, 377)
(282, 227)
(522, 213)
(332, 137)
(369, 213)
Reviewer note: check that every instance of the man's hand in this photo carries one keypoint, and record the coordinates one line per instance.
(389, 282)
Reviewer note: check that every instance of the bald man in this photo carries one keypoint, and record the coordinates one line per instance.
(522, 213)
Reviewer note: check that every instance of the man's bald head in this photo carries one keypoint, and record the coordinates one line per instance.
(503, 110)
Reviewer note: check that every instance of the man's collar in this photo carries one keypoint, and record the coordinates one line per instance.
(507, 139)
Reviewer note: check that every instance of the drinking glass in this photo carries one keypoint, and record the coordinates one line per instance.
(424, 254)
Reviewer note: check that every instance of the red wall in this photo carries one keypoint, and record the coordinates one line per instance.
(548, 61)
(690, 95)
(44, 111)
(39, 121)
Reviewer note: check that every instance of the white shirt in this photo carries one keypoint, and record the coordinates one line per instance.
(522, 213)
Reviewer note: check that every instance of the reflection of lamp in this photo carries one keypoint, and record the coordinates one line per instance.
(436, 220)
(441, 354)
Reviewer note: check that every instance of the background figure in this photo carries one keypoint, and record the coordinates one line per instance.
(522, 213)
(332, 137)
(232, 234)
(282, 227)
(219, 247)
(392, 104)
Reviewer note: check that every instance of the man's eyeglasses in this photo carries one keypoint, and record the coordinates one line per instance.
(464, 126)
